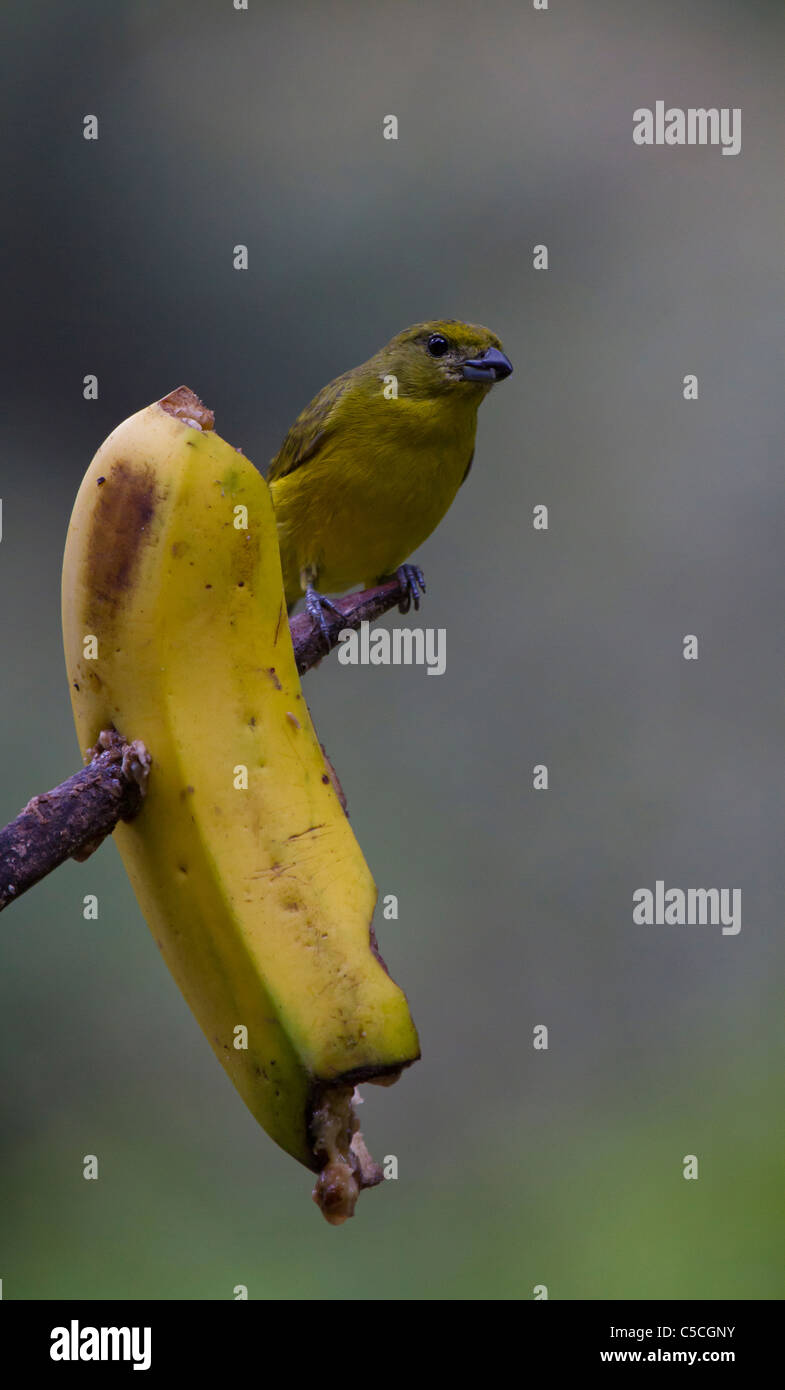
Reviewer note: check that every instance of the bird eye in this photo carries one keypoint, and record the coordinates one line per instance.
(437, 345)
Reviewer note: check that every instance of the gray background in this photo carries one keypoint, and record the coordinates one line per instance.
(516, 1167)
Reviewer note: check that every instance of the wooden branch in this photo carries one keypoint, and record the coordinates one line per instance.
(355, 609)
(71, 820)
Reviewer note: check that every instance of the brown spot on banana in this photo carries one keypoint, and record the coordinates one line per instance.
(122, 521)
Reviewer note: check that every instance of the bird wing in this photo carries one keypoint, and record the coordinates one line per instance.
(309, 429)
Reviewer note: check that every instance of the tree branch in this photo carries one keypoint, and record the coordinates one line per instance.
(355, 609)
(71, 820)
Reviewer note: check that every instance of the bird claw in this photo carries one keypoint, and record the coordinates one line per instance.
(412, 581)
(315, 606)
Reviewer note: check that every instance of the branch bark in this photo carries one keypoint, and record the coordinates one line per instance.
(71, 820)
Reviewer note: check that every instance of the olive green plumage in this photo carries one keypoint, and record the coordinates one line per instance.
(370, 467)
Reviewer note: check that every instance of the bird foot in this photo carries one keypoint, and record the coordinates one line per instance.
(412, 581)
(316, 605)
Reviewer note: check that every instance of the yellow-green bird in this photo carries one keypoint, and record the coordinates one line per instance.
(370, 467)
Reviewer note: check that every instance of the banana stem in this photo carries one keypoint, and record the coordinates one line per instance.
(71, 820)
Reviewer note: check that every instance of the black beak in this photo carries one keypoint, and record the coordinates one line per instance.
(490, 366)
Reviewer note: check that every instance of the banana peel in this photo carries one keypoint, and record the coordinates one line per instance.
(242, 859)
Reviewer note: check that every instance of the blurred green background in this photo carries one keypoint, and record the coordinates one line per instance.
(517, 1167)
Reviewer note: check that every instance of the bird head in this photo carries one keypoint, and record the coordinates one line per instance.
(445, 355)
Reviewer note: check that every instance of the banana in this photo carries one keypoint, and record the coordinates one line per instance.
(242, 859)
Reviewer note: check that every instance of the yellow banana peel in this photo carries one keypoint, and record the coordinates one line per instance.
(242, 859)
